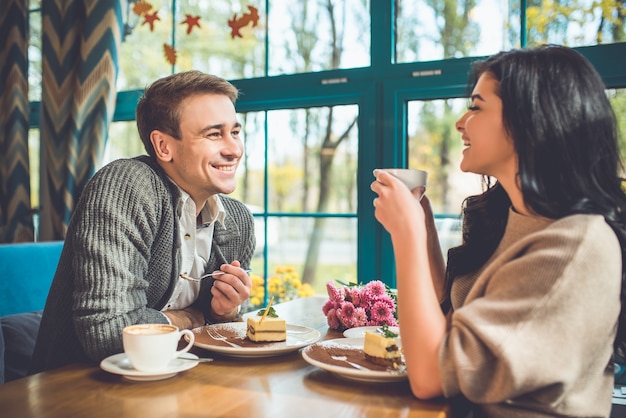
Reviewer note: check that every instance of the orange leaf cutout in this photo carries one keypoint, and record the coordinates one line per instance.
(191, 21)
(150, 19)
(236, 24)
(141, 7)
(170, 54)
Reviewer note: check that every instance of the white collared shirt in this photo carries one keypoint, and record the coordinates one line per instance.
(196, 242)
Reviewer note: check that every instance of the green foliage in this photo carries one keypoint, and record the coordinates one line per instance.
(387, 333)
(271, 312)
(575, 23)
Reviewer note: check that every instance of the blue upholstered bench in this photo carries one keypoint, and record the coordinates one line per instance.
(26, 272)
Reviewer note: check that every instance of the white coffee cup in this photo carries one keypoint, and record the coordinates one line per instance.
(151, 347)
(412, 178)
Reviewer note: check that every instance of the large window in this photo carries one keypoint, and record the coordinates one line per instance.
(335, 88)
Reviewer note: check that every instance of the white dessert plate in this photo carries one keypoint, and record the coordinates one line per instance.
(319, 355)
(119, 364)
(359, 332)
(235, 333)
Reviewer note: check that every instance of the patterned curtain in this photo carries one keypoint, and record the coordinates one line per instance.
(81, 40)
(16, 223)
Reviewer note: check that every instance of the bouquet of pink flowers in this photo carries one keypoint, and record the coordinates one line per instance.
(352, 306)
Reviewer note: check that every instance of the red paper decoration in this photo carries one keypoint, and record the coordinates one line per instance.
(191, 21)
(170, 54)
(236, 24)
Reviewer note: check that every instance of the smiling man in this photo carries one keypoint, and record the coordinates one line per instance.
(141, 223)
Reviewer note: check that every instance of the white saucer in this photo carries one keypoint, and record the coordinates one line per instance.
(359, 332)
(119, 364)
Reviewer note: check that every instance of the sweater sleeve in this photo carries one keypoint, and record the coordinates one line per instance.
(118, 219)
(540, 319)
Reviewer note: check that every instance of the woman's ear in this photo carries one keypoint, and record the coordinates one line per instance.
(161, 145)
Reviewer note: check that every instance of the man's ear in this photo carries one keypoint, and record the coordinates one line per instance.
(161, 144)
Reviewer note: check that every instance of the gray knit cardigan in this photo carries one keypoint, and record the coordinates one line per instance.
(120, 262)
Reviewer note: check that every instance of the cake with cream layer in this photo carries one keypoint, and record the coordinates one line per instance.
(382, 350)
(268, 329)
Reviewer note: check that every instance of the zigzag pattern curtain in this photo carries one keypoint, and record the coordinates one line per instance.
(16, 224)
(81, 40)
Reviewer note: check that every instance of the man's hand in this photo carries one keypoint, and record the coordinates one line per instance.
(229, 291)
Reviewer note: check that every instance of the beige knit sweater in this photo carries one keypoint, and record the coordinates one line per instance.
(532, 331)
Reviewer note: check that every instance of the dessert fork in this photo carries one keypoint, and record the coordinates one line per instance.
(198, 279)
(219, 337)
(345, 359)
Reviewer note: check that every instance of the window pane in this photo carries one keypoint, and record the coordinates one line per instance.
(429, 30)
(575, 23)
(251, 171)
(289, 242)
(33, 163)
(34, 53)
(142, 59)
(312, 159)
(309, 35)
(310, 171)
(333, 239)
(123, 142)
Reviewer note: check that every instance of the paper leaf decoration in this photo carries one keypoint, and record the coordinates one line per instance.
(170, 54)
(141, 7)
(150, 18)
(236, 24)
(191, 21)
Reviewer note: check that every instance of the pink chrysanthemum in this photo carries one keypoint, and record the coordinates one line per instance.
(375, 290)
(330, 304)
(332, 319)
(381, 313)
(353, 295)
(334, 294)
(346, 314)
(360, 317)
(387, 301)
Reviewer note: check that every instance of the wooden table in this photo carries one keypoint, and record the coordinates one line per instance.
(275, 387)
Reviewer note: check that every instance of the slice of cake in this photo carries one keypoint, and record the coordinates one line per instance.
(382, 348)
(266, 328)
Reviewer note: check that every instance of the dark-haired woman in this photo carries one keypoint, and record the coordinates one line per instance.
(525, 318)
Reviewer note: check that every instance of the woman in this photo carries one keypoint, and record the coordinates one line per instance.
(535, 287)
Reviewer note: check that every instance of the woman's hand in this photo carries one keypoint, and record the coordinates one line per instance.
(397, 208)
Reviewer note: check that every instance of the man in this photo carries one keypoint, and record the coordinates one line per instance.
(141, 223)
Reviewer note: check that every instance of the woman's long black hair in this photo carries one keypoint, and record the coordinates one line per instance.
(555, 108)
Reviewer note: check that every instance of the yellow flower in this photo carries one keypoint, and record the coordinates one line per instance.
(306, 290)
(284, 285)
